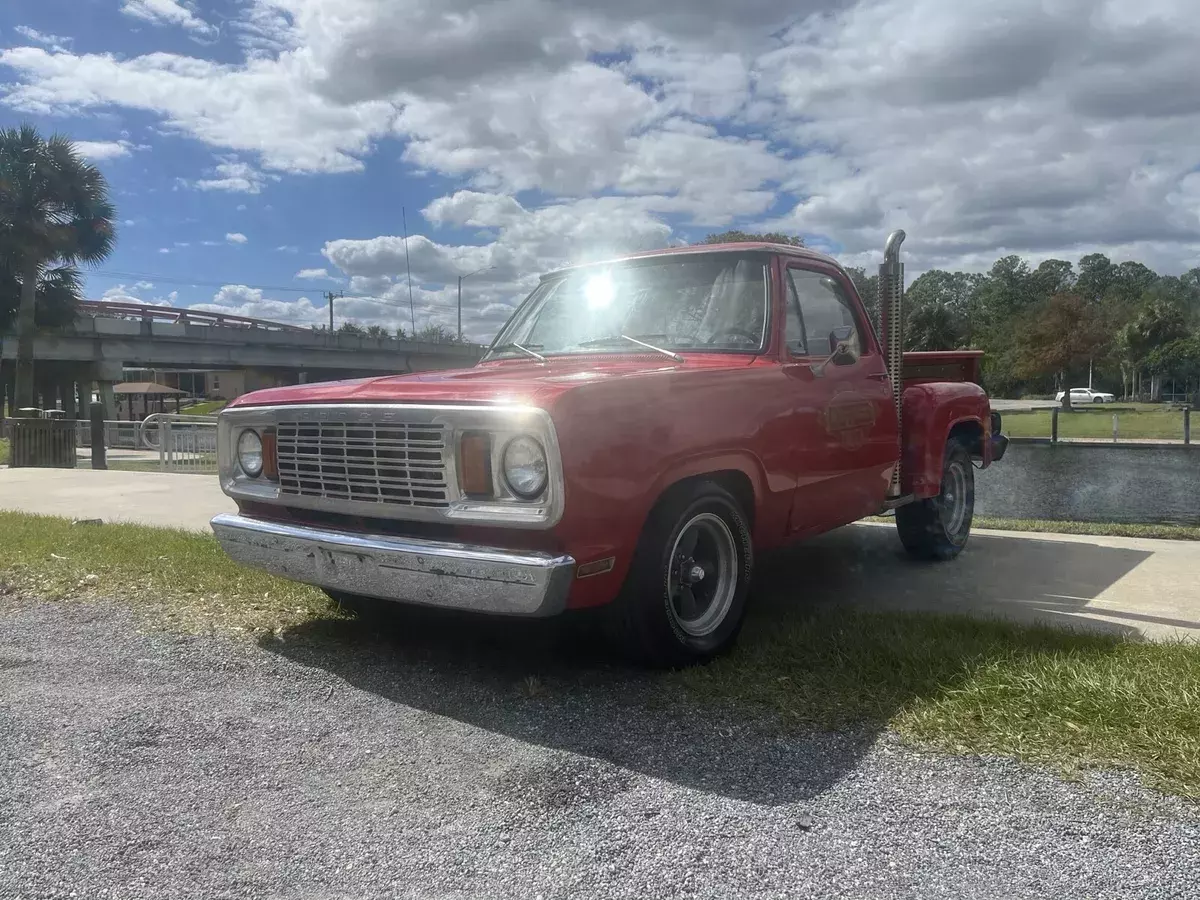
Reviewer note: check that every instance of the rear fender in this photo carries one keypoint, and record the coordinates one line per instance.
(931, 412)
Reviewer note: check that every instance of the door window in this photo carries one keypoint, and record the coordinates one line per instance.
(825, 312)
(794, 336)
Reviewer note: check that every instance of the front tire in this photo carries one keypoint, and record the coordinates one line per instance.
(938, 528)
(684, 599)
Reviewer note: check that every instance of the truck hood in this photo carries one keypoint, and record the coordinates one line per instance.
(503, 382)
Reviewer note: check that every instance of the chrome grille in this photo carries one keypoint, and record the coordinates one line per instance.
(375, 462)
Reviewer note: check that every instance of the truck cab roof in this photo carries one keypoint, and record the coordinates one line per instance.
(693, 249)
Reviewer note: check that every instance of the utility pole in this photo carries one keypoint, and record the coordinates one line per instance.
(330, 296)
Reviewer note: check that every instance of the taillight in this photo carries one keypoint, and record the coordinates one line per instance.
(475, 464)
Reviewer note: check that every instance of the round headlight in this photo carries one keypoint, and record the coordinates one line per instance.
(525, 467)
(250, 453)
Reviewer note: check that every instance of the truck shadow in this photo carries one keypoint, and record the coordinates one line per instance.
(1031, 580)
(549, 684)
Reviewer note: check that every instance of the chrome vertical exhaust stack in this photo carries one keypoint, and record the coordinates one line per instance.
(891, 296)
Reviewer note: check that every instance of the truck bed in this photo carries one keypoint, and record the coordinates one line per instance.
(943, 365)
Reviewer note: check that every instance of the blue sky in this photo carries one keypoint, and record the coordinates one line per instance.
(248, 141)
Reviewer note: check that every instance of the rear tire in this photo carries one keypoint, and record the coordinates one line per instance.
(684, 599)
(938, 528)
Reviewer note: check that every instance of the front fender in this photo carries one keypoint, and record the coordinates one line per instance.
(931, 412)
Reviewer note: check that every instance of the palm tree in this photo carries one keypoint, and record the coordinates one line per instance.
(54, 213)
(59, 291)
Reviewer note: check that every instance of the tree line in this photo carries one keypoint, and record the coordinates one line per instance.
(1049, 328)
(433, 333)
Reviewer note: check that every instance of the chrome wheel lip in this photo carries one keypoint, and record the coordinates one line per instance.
(954, 499)
(725, 562)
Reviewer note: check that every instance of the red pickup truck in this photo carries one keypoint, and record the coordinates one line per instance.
(637, 433)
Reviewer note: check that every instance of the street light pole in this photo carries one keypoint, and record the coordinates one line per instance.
(460, 281)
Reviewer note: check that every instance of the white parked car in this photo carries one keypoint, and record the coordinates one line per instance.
(1087, 395)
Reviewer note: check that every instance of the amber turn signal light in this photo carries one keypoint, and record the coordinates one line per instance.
(270, 452)
(475, 464)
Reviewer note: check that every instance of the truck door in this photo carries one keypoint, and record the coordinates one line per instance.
(845, 431)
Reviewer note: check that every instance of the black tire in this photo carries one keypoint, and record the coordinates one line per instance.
(1099, 400)
(938, 528)
(666, 616)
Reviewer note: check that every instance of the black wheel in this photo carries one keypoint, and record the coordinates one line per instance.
(938, 528)
(1098, 400)
(684, 598)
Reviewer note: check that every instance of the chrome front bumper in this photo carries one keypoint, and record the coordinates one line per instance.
(412, 570)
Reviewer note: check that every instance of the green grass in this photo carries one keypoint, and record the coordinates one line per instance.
(1069, 700)
(1065, 699)
(205, 408)
(1134, 421)
(183, 578)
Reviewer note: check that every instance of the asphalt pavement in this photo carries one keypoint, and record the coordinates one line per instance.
(344, 764)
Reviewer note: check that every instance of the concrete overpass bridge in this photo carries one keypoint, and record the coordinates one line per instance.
(107, 338)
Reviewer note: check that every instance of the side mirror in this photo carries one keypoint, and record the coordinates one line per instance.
(840, 335)
(842, 355)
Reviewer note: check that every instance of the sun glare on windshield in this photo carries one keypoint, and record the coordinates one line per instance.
(599, 291)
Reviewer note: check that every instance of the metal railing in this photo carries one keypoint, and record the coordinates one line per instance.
(118, 434)
(184, 443)
(1170, 425)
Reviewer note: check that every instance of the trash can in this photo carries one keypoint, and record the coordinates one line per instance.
(41, 442)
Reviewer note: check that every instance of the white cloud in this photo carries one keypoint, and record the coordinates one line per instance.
(235, 237)
(313, 274)
(121, 294)
(233, 175)
(168, 12)
(135, 293)
(1030, 126)
(474, 208)
(240, 300)
(53, 41)
(101, 150)
(287, 248)
(527, 243)
(266, 106)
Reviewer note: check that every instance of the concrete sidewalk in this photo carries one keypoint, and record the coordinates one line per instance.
(1117, 585)
(147, 498)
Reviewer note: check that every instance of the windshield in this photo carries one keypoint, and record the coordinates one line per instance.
(715, 302)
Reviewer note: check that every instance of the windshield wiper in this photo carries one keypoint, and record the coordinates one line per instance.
(599, 342)
(515, 346)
